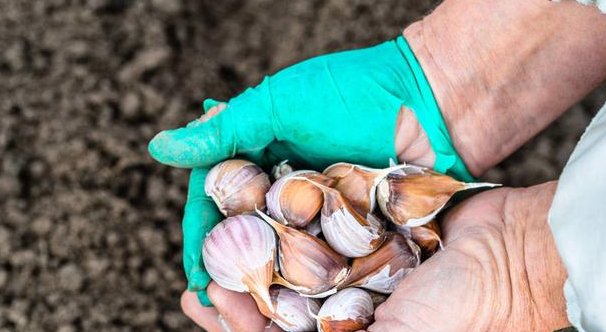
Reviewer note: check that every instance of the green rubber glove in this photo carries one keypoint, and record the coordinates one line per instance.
(337, 107)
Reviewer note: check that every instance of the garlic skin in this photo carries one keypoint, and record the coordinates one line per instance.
(414, 195)
(383, 270)
(237, 186)
(307, 264)
(239, 255)
(314, 227)
(295, 202)
(347, 232)
(356, 183)
(428, 237)
(281, 169)
(351, 309)
(293, 312)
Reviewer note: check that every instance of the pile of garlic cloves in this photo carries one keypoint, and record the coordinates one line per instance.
(316, 250)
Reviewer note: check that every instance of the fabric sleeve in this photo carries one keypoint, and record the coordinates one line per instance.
(578, 222)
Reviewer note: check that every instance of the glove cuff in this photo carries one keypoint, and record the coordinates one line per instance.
(430, 118)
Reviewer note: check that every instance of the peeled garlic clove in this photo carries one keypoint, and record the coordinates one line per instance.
(293, 312)
(239, 255)
(296, 202)
(307, 263)
(237, 187)
(351, 309)
(383, 270)
(414, 199)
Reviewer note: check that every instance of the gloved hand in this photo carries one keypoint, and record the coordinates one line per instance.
(336, 107)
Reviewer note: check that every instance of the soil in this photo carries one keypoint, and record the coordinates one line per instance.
(90, 232)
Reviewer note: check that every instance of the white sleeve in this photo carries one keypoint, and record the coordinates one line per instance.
(601, 4)
(578, 222)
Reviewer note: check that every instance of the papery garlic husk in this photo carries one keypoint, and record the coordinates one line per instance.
(281, 169)
(307, 264)
(239, 255)
(415, 198)
(237, 187)
(351, 309)
(345, 230)
(385, 268)
(293, 312)
(296, 202)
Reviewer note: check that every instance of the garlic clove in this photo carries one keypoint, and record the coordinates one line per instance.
(415, 195)
(314, 227)
(293, 312)
(358, 183)
(355, 183)
(239, 255)
(296, 202)
(281, 169)
(428, 237)
(385, 268)
(237, 187)
(308, 264)
(351, 309)
(347, 232)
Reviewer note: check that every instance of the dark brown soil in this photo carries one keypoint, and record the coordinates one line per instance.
(89, 225)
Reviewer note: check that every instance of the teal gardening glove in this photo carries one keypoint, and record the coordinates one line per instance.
(337, 107)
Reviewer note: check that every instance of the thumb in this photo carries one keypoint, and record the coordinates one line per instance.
(244, 126)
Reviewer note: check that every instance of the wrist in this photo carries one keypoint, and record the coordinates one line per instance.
(538, 281)
(498, 87)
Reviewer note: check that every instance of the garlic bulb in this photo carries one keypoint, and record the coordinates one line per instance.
(347, 232)
(293, 312)
(383, 270)
(358, 183)
(296, 202)
(308, 265)
(351, 309)
(414, 195)
(237, 187)
(239, 255)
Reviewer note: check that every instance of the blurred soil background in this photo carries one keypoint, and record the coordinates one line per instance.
(90, 231)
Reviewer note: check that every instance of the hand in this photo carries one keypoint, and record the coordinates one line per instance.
(499, 271)
(340, 107)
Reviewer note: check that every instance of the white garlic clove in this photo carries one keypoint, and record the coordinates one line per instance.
(293, 312)
(415, 195)
(351, 309)
(308, 265)
(239, 255)
(237, 187)
(296, 202)
(385, 268)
